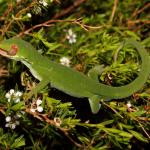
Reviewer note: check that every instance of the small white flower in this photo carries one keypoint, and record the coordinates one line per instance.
(8, 119)
(43, 2)
(71, 36)
(39, 108)
(57, 121)
(17, 100)
(128, 104)
(65, 61)
(12, 121)
(12, 91)
(29, 15)
(12, 95)
(7, 125)
(38, 102)
(8, 100)
(18, 94)
(13, 126)
(36, 106)
(7, 95)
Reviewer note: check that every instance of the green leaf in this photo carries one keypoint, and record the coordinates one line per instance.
(51, 46)
(104, 147)
(132, 34)
(18, 106)
(137, 113)
(119, 132)
(1, 1)
(112, 130)
(126, 134)
(64, 105)
(121, 125)
(138, 136)
(107, 122)
(18, 142)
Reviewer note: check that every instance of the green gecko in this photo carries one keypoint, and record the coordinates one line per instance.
(69, 80)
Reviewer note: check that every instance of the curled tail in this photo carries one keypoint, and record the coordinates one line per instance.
(129, 89)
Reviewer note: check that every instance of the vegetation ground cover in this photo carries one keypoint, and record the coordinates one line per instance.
(79, 34)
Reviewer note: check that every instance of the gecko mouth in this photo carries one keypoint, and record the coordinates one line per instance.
(12, 52)
(4, 53)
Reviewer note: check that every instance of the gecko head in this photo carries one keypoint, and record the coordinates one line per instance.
(10, 48)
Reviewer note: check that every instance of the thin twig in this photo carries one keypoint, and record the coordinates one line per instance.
(144, 130)
(86, 27)
(133, 24)
(113, 10)
(44, 117)
(8, 10)
(62, 13)
(49, 23)
(25, 9)
(69, 9)
(136, 12)
(2, 110)
(112, 109)
(16, 16)
(54, 19)
(138, 21)
(136, 119)
(132, 21)
(44, 24)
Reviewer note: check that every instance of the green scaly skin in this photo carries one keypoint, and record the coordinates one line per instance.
(69, 80)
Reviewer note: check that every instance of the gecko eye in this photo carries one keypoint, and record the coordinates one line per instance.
(13, 51)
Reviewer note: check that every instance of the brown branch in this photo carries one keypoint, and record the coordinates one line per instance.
(136, 12)
(8, 10)
(69, 9)
(2, 110)
(138, 21)
(62, 13)
(44, 24)
(16, 16)
(144, 131)
(25, 9)
(136, 119)
(112, 109)
(49, 23)
(57, 1)
(44, 117)
(113, 10)
(132, 24)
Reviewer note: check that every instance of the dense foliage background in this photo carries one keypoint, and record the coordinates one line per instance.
(79, 34)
